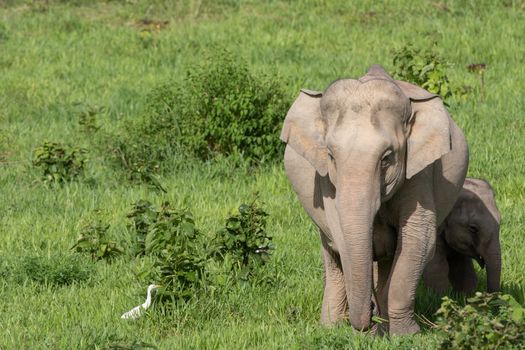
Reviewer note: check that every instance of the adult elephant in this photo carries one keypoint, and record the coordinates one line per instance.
(374, 156)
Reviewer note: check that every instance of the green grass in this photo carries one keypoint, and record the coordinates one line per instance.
(56, 56)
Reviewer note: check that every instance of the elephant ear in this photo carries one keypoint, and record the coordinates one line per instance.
(429, 137)
(304, 130)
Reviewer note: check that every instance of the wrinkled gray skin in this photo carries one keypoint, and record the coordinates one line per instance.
(470, 231)
(366, 157)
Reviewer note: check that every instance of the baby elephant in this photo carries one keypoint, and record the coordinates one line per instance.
(471, 231)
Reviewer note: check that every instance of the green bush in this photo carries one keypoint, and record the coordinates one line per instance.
(94, 240)
(424, 68)
(87, 117)
(185, 261)
(4, 33)
(244, 237)
(143, 216)
(57, 270)
(218, 107)
(176, 246)
(488, 321)
(59, 163)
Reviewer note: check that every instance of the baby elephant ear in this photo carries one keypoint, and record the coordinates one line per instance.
(429, 137)
(304, 130)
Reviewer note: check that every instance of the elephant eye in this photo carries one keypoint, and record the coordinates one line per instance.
(386, 160)
(473, 228)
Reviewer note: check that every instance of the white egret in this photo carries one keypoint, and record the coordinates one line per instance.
(137, 311)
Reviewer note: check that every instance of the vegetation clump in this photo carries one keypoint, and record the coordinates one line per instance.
(3, 33)
(59, 162)
(177, 248)
(245, 239)
(87, 118)
(94, 240)
(424, 68)
(143, 216)
(184, 260)
(56, 270)
(488, 321)
(219, 107)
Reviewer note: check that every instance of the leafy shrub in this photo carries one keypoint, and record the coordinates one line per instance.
(424, 68)
(4, 34)
(57, 270)
(185, 261)
(488, 321)
(93, 239)
(244, 237)
(177, 247)
(219, 107)
(143, 215)
(87, 118)
(237, 112)
(146, 38)
(60, 163)
(5, 151)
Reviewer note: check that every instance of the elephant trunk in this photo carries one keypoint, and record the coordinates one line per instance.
(358, 203)
(493, 265)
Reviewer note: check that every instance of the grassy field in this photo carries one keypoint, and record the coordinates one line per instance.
(57, 57)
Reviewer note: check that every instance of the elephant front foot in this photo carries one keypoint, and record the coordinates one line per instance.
(335, 309)
(403, 326)
(332, 316)
(379, 329)
(333, 320)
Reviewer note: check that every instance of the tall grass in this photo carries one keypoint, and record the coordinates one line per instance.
(58, 56)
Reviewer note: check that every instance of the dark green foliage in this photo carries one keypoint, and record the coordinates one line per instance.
(488, 321)
(180, 257)
(59, 163)
(237, 112)
(143, 215)
(87, 118)
(219, 107)
(177, 247)
(57, 270)
(94, 240)
(244, 237)
(134, 345)
(424, 68)
(3, 33)
(146, 38)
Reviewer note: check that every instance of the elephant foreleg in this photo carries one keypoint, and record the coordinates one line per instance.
(436, 272)
(335, 306)
(416, 242)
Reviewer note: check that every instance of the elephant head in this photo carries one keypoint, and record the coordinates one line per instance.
(368, 136)
(472, 229)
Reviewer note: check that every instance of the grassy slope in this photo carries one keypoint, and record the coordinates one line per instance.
(53, 57)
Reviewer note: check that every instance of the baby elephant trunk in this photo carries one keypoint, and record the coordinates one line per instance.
(493, 266)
